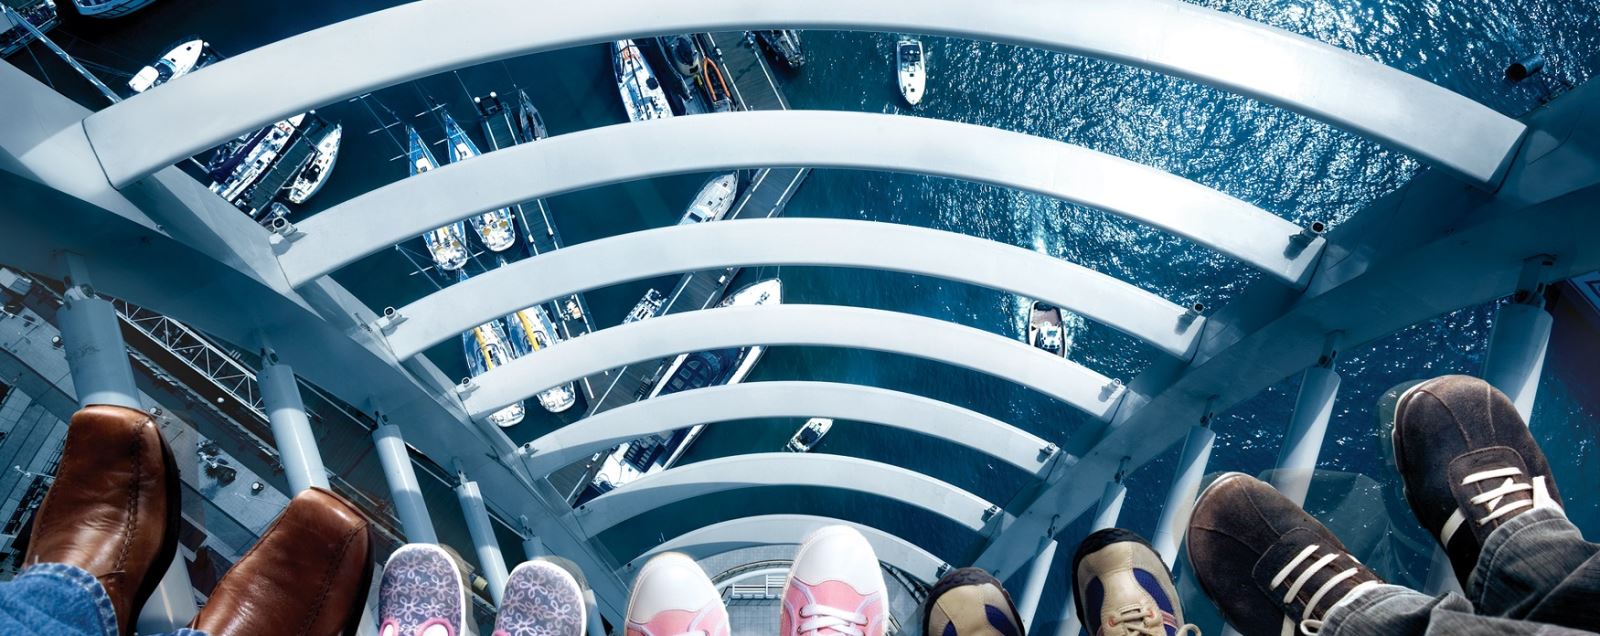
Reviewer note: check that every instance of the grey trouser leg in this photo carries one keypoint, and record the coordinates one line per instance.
(1537, 567)
(1535, 576)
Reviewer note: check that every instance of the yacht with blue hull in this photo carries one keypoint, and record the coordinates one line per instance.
(688, 371)
(642, 95)
(494, 228)
(531, 330)
(487, 348)
(448, 244)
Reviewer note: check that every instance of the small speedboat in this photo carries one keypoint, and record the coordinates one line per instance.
(188, 56)
(807, 437)
(785, 45)
(1045, 330)
(912, 66)
(648, 307)
(714, 200)
(683, 53)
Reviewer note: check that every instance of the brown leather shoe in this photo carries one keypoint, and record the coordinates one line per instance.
(113, 509)
(307, 575)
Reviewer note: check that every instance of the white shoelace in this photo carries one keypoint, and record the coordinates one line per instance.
(820, 617)
(1308, 625)
(1491, 499)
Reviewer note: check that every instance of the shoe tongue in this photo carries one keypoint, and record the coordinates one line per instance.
(1485, 459)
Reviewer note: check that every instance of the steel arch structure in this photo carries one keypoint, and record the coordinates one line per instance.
(760, 530)
(1336, 86)
(755, 470)
(1430, 248)
(821, 139)
(834, 243)
(883, 407)
(805, 325)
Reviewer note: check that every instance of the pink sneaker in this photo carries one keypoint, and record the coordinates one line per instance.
(674, 597)
(835, 587)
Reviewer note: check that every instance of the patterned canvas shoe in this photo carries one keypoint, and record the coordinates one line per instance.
(835, 587)
(674, 597)
(1122, 588)
(1468, 462)
(1267, 565)
(421, 593)
(541, 599)
(970, 602)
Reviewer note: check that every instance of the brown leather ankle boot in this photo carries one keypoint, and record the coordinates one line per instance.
(307, 575)
(113, 509)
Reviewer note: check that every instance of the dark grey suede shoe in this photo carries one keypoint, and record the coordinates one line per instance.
(1468, 462)
(1267, 565)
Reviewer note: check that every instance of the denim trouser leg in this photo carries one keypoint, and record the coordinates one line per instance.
(1537, 567)
(55, 599)
(1533, 577)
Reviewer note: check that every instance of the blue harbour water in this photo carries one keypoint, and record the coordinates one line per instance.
(1280, 161)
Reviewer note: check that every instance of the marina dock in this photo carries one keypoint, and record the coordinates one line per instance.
(752, 80)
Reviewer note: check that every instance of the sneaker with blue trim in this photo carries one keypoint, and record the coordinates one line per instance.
(970, 602)
(1122, 588)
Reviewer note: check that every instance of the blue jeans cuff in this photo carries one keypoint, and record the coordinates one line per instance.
(80, 578)
(1499, 538)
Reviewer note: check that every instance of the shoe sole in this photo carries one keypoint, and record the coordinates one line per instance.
(944, 586)
(560, 573)
(1198, 502)
(654, 563)
(1099, 540)
(464, 601)
(814, 536)
(352, 625)
(169, 537)
(1394, 435)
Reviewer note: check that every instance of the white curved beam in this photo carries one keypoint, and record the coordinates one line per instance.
(805, 325)
(824, 139)
(822, 242)
(812, 470)
(198, 111)
(765, 530)
(750, 400)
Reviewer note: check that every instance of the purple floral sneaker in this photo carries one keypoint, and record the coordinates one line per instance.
(541, 599)
(421, 593)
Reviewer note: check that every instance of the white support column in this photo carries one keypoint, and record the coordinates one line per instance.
(291, 429)
(403, 486)
(1185, 486)
(97, 357)
(1308, 425)
(1520, 338)
(1105, 516)
(490, 560)
(1031, 588)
